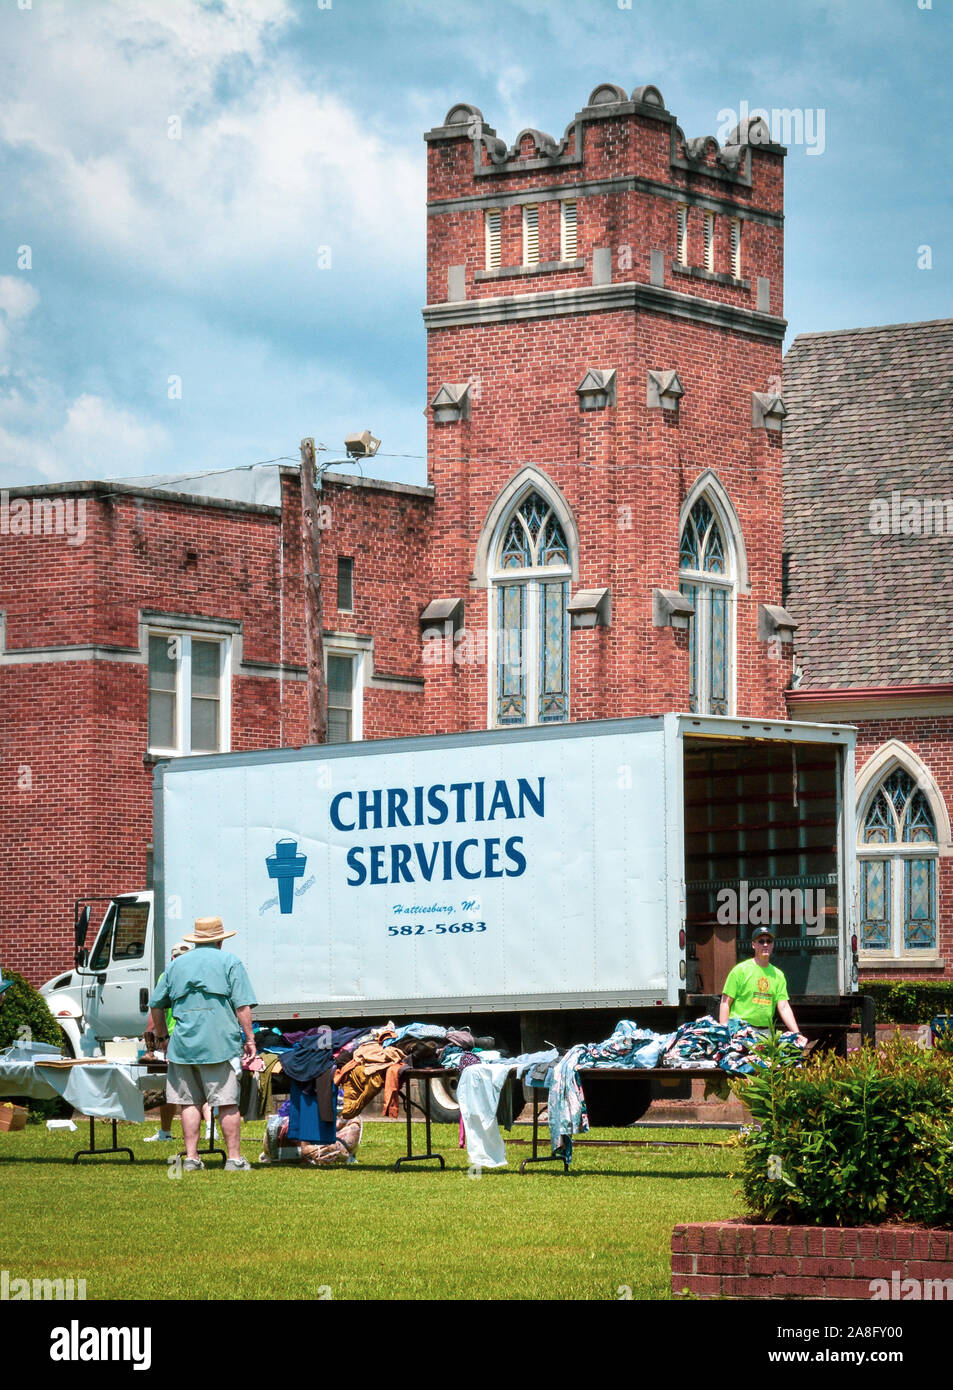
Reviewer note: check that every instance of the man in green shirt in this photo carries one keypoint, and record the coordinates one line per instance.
(755, 988)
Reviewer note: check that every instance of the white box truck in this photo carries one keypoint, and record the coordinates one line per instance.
(537, 884)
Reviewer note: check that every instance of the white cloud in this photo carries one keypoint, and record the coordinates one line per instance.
(96, 438)
(18, 299)
(268, 166)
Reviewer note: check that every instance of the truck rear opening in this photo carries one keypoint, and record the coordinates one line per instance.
(762, 828)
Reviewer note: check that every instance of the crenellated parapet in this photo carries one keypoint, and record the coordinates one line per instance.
(536, 149)
(623, 197)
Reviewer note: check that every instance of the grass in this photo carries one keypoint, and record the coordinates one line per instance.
(354, 1233)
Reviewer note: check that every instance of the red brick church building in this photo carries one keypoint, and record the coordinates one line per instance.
(601, 534)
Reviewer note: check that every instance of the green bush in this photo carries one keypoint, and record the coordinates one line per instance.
(852, 1141)
(909, 1001)
(22, 1008)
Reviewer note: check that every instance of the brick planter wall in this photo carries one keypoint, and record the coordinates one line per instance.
(728, 1259)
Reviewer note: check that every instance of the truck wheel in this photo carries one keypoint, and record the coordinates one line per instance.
(68, 1049)
(444, 1109)
(615, 1104)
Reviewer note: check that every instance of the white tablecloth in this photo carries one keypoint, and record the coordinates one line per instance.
(103, 1090)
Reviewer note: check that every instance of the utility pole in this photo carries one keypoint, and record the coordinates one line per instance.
(313, 602)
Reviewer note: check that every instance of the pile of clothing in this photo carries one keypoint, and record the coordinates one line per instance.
(629, 1046)
(733, 1046)
(312, 1127)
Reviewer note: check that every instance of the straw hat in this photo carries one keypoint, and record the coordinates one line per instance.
(207, 929)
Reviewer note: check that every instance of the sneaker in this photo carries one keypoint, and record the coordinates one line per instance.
(237, 1165)
(193, 1165)
(161, 1136)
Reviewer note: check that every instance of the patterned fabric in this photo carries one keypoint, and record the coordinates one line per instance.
(629, 1046)
(419, 1032)
(733, 1046)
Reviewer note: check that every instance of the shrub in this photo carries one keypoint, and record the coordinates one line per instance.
(909, 1001)
(852, 1141)
(23, 1007)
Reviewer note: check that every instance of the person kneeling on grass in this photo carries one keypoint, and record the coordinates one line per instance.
(211, 998)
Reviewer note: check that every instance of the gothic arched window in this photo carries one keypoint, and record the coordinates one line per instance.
(706, 576)
(529, 596)
(897, 857)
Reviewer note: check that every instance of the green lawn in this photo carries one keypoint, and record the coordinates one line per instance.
(364, 1232)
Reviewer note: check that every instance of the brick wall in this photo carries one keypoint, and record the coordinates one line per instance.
(734, 1260)
(76, 799)
(624, 471)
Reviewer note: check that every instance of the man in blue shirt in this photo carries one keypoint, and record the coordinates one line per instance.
(211, 998)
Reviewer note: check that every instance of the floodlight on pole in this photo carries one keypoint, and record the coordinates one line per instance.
(361, 446)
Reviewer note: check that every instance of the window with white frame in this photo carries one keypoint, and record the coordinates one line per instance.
(897, 869)
(706, 577)
(736, 247)
(492, 228)
(531, 235)
(529, 605)
(567, 231)
(681, 237)
(188, 693)
(345, 686)
(709, 241)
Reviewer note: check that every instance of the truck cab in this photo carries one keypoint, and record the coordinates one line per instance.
(116, 975)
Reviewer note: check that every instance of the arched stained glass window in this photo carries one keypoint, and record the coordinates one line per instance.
(530, 601)
(534, 537)
(898, 840)
(706, 578)
(702, 546)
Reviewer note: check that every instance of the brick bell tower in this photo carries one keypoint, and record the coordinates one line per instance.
(604, 318)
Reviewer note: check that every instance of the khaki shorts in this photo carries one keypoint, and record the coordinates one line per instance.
(216, 1082)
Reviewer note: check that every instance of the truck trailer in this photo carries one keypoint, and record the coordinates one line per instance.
(537, 884)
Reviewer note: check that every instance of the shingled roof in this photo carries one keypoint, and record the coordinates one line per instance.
(870, 423)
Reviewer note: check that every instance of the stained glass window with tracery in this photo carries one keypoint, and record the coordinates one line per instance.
(531, 667)
(704, 556)
(898, 912)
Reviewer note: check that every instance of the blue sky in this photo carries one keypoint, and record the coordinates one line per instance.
(198, 258)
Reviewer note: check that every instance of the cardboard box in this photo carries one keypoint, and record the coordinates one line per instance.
(12, 1117)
